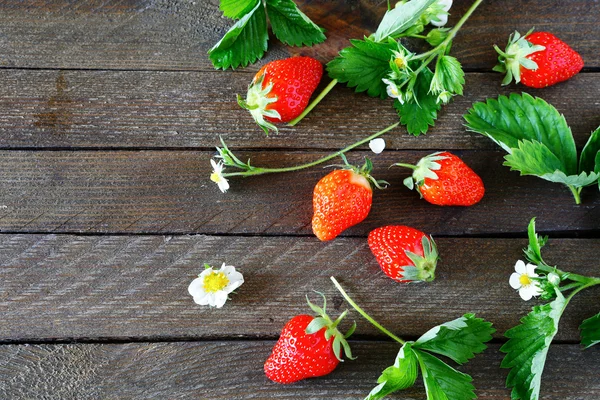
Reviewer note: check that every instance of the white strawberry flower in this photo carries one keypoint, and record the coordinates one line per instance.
(441, 18)
(217, 175)
(393, 91)
(211, 287)
(522, 281)
(377, 145)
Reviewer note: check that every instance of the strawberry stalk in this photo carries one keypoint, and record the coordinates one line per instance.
(429, 56)
(230, 160)
(363, 313)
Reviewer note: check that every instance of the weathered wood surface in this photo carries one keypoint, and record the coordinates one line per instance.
(176, 34)
(191, 370)
(119, 287)
(130, 109)
(169, 191)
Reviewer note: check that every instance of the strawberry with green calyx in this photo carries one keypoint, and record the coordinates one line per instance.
(444, 179)
(404, 254)
(537, 59)
(280, 90)
(458, 340)
(308, 347)
(342, 199)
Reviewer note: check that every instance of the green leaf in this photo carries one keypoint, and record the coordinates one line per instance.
(442, 382)
(533, 158)
(363, 65)
(533, 252)
(528, 346)
(459, 340)
(509, 120)
(590, 152)
(449, 74)
(291, 25)
(244, 43)
(590, 331)
(235, 9)
(420, 112)
(400, 376)
(401, 18)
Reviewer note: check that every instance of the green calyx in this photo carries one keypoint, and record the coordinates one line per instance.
(364, 171)
(424, 266)
(257, 100)
(425, 168)
(515, 56)
(331, 330)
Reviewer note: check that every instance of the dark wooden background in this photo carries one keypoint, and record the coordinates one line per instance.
(109, 114)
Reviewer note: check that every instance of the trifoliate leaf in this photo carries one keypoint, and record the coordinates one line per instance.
(459, 339)
(291, 25)
(421, 111)
(244, 43)
(401, 18)
(399, 376)
(590, 153)
(449, 75)
(528, 346)
(235, 9)
(509, 120)
(442, 382)
(590, 331)
(533, 252)
(363, 65)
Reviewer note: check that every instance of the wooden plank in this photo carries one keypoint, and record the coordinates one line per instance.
(121, 287)
(169, 191)
(175, 35)
(234, 370)
(191, 109)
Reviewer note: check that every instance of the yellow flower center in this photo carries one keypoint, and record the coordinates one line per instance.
(215, 281)
(215, 177)
(524, 280)
(400, 62)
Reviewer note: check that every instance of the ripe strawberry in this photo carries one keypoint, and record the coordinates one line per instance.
(342, 199)
(538, 60)
(281, 89)
(445, 180)
(308, 347)
(404, 254)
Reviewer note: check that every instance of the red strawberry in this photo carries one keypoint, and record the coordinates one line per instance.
(342, 199)
(308, 347)
(445, 180)
(538, 60)
(281, 89)
(404, 254)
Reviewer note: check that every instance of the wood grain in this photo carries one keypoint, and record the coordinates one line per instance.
(131, 109)
(169, 191)
(234, 370)
(175, 35)
(120, 287)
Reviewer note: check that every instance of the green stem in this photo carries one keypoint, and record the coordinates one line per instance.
(565, 275)
(364, 314)
(592, 282)
(441, 48)
(314, 103)
(576, 193)
(413, 167)
(260, 171)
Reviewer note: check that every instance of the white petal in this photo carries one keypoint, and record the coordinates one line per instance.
(525, 293)
(220, 299)
(216, 167)
(515, 281)
(196, 288)
(223, 184)
(520, 267)
(202, 300)
(531, 270)
(377, 145)
(442, 20)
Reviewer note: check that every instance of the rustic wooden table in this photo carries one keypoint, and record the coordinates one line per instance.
(109, 114)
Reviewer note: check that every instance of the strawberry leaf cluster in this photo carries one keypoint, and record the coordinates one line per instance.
(537, 139)
(247, 40)
(382, 66)
(528, 343)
